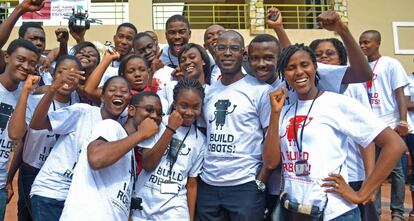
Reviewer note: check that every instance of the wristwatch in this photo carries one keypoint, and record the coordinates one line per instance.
(260, 185)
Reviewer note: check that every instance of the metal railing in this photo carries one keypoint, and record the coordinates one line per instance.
(235, 16)
(111, 13)
(299, 16)
(202, 15)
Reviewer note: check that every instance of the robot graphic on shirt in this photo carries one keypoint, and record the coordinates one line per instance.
(177, 147)
(293, 127)
(221, 112)
(6, 111)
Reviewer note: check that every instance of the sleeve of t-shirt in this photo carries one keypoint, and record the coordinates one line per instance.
(264, 107)
(330, 77)
(199, 160)
(397, 75)
(32, 102)
(108, 129)
(64, 120)
(359, 122)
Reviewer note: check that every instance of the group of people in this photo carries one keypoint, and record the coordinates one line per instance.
(188, 132)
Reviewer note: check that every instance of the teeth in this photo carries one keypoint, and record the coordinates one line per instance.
(301, 80)
(189, 68)
(84, 60)
(117, 101)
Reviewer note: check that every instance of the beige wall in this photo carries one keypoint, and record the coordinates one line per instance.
(363, 15)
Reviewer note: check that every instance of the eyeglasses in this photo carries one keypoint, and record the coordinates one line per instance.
(150, 110)
(328, 53)
(233, 48)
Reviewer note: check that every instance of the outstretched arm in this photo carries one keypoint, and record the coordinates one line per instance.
(359, 70)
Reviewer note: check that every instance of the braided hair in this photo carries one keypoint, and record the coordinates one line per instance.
(188, 84)
(284, 58)
(339, 46)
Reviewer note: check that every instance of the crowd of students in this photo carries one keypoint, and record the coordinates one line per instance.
(188, 132)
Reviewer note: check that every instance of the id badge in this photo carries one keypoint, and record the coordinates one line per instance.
(302, 168)
(169, 187)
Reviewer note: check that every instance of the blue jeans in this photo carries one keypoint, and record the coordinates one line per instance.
(27, 174)
(222, 203)
(397, 192)
(46, 209)
(3, 202)
(351, 215)
(409, 140)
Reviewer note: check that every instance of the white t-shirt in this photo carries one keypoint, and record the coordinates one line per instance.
(102, 194)
(167, 58)
(74, 125)
(356, 171)
(327, 154)
(8, 101)
(109, 72)
(39, 143)
(236, 116)
(409, 91)
(388, 76)
(163, 77)
(158, 206)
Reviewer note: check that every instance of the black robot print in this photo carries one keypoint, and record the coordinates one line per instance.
(221, 112)
(6, 111)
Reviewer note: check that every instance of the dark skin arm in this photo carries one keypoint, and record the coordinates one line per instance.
(359, 70)
(7, 26)
(152, 157)
(392, 149)
(277, 26)
(17, 123)
(102, 154)
(40, 120)
(191, 196)
(401, 129)
(271, 149)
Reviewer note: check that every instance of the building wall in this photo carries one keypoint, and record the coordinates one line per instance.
(363, 15)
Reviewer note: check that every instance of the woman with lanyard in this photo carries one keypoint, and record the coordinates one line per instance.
(360, 160)
(194, 63)
(311, 143)
(172, 160)
(38, 143)
(74, 125)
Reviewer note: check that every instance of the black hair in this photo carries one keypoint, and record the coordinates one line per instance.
(284, 58)
(266, 38)
(204, 56)
(124, 61)
(109, 81)
(179, 18)
(141, 35)
(339, 46)
(376, 34)
(127, 25)
(137, 98)
(188, 84)
(27, 25)
(67, 57)
(76, 49)
(234, 34)
(22, 43)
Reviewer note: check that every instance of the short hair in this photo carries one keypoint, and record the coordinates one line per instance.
(22, 43)
(83, 45)
(179, 18)
(376, 34)
(205, 33)
(204, 56)
(127, 25)
(234, 34)
(124, 61)
(107, 82)
(284, 58)
(67, 57)
(137, 98)
(339, 46)
(265, 38)
(27, 25)
(141, 35)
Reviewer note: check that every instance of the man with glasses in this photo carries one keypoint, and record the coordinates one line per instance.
(236, 111)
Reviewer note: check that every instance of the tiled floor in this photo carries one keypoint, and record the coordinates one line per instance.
(11, 211)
